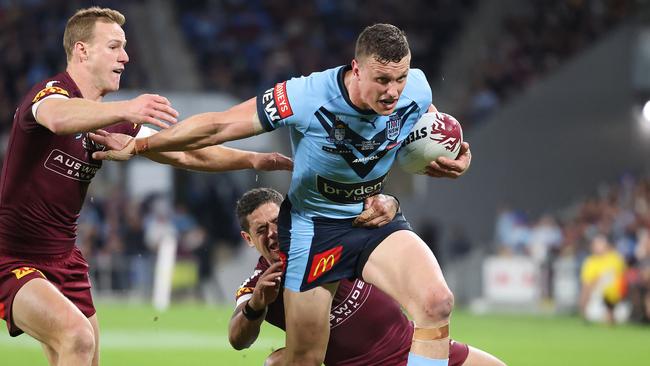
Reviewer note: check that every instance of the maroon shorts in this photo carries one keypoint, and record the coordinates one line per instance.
(68, 273)
(458, 353)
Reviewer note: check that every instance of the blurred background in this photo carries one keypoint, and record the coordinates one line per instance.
(551, 95)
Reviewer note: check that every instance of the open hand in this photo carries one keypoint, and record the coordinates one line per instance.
(153, 109)
(271, 161)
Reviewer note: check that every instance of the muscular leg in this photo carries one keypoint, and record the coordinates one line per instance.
(41, 311)
(308, 327)
(477, 357)
(276, 358)
(95, 324)
(404, 267)
(50, 354)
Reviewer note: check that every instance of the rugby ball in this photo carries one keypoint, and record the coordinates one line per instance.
(434, 135)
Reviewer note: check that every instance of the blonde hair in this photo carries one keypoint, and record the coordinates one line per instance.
(81, 25)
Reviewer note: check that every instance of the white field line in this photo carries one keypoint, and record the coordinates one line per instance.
(114, 339)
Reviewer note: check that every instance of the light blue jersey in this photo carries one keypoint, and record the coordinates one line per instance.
(342, 154)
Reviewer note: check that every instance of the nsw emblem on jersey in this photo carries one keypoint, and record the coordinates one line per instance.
(393, 127)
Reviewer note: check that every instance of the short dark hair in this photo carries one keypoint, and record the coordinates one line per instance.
(253, 199)
(385, 42)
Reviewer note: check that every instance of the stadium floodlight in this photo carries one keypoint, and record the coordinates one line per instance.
(644, 118)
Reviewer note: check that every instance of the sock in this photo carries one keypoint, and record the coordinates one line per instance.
(417, 360)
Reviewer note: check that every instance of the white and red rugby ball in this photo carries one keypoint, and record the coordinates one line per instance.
(434, 135)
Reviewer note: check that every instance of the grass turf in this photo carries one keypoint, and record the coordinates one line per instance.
(191, 334)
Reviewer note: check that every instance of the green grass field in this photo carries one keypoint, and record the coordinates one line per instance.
(197, 335)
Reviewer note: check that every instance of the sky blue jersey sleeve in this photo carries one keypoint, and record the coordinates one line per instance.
(286, 104)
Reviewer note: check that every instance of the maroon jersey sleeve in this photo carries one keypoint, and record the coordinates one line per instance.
(275, 312)
(59, 86)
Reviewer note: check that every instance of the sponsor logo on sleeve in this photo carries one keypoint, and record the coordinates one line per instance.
(49, 90)
(323, 262)
(24, 271)
(349, 192)
(276, 103)
(70, 167)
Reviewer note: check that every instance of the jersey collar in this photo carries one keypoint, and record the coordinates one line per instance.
(344, 91)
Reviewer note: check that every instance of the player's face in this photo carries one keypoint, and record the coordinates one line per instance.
(381, 85)
(263, 231)
(107, 56)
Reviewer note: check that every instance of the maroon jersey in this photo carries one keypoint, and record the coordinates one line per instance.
(45, 177)
(366, 326)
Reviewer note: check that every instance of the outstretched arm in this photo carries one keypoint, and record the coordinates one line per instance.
(195, 132)
(210, 159)
(71, 115)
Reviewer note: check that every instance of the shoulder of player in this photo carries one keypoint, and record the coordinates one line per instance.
(417, 87)
(60, 84)
(315, 86)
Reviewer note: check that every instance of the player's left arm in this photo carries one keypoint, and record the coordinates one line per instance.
(378, 211)
(245, 323)
(448, 168)
(198, 131)
(221, 158)
(210, 159)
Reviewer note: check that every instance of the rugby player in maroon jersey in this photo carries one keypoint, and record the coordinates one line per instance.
(367, 327)
(44, 284)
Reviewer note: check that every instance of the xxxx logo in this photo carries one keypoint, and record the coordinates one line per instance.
(24, 271)
(323, 262)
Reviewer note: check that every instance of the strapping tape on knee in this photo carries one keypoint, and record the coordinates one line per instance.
(431, 334)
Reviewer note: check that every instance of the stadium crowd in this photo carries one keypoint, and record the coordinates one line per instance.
(620, 212)
(245, 46)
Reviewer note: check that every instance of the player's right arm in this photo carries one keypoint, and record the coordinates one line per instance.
(245, 323)
(65, 116)
(195, 132)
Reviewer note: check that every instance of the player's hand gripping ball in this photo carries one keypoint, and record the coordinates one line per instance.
(433, 135)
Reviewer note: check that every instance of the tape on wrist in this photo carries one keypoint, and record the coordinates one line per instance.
(431, 334)
(251, 314)
(141, 145)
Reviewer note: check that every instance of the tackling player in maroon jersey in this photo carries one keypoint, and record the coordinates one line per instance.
(44, 284)
(367, 327)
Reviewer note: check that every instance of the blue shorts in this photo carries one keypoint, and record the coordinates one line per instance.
(320, 250)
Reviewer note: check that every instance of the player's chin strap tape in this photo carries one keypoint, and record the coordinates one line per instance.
(141, 146)
(431, 334)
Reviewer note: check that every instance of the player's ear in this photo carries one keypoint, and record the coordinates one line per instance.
(247, 237)
(355, 68)
(80, 51)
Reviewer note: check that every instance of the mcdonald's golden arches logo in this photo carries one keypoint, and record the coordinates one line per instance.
(323, 262)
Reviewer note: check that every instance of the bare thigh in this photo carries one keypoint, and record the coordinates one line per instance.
(41, 311)
(307, 322)
(404, 267)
